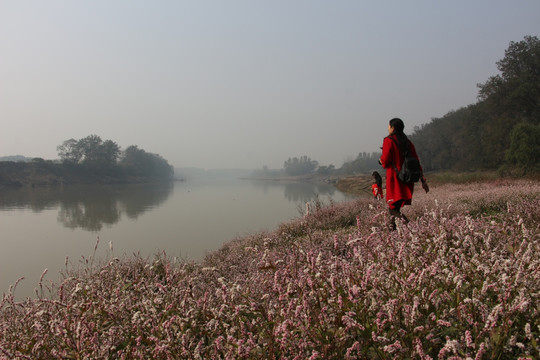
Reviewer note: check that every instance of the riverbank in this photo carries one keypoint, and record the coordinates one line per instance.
(356, 185)
(461, 279)
(46, 173)
(361, 184)
(313, 178)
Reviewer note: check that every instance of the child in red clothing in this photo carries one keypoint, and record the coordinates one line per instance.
(376, 188)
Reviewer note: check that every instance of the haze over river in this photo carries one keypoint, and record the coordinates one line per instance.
(40, 227)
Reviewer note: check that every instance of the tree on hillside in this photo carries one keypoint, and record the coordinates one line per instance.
(524, 151)
(479, 136)
(516, 91)
(511, 97)
(450, 142)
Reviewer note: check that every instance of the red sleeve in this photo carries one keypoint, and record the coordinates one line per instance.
(387, 157)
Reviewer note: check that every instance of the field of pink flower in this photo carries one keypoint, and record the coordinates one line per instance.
(461, 280)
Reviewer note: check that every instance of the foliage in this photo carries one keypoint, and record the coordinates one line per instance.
(524, 151)
(516, 91)
(300, 166)
(450, 142)
(37, 172)
(363, 164)
(326, 170)
(478, 136)
(90, 151)
(461, 280)
(69, 151)
(138, 162)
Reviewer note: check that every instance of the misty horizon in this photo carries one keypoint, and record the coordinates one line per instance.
(240, 84)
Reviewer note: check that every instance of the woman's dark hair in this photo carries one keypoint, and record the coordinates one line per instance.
(398, 126)
(377, 177)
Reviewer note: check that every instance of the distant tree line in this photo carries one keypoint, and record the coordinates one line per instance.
(300, 166)
(92, 153)
(364, 163)
(500, 132)
(304, 165)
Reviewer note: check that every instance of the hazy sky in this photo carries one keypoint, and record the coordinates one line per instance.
(242, 84)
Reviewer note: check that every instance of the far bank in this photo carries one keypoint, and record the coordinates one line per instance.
(47, 173)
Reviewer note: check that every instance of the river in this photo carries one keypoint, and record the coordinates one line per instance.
(43, 228)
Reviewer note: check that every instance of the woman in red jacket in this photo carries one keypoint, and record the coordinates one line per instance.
(397, 193)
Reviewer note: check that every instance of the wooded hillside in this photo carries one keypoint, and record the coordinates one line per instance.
(501, 131)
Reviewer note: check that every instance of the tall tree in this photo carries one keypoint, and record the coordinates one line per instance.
(90, 151)
(516, 91)
(69, 151)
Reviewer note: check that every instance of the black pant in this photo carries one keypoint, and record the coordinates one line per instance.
(396, 213)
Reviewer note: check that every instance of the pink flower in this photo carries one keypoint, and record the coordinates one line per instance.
(395, 347)
(480, 352)
(444, 323)
(468, 339)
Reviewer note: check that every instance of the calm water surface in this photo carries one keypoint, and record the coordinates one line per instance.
(40, 228)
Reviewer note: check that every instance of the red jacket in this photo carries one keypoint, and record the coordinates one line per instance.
(377, 191)
(395, 189)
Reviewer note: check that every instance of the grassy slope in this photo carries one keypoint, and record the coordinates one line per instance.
(461, 279)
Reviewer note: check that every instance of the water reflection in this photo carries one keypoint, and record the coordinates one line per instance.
(298, 192)
(89, 207)
(42, 226)
(90, 210)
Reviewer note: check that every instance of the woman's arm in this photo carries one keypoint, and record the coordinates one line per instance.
(387, 157)
(425, 185)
